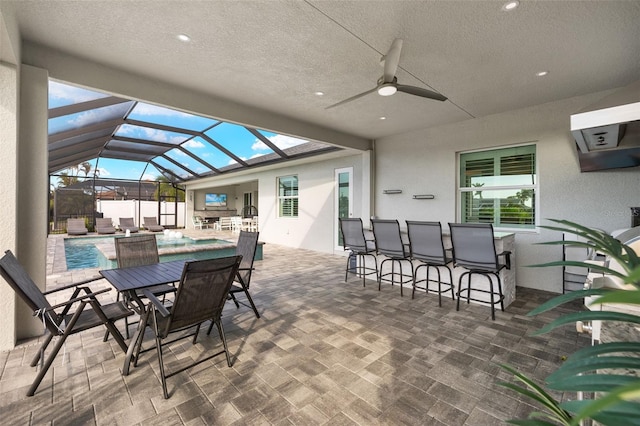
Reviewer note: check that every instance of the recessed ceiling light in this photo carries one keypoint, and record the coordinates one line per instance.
(542, 73)
(387, 89)
(383, 118)
(319, 93)
(184, 37)
(510, 5)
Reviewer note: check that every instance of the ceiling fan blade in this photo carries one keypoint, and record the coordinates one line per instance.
(391, 60)
(353, 98)
(419, 91)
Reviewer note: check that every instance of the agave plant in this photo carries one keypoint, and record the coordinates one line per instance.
(596, 370)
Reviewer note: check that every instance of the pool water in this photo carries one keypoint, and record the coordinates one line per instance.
(82, 253)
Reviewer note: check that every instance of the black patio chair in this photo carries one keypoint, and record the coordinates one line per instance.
(246, 247)
(359, 247)
(389, 244)
(475, 250)
(81, 312)
(427, 248)
(201, 296)
(139, 250)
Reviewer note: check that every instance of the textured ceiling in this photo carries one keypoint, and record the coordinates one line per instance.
(274, 55)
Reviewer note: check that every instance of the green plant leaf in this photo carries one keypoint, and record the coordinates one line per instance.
(592, 383)
(616, 406)
(567, 297)
(588, 316)
(604, 348)
(536, 393)
(619, 296)
(584, 365)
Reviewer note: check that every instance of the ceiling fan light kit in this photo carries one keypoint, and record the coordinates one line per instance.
(387, 89)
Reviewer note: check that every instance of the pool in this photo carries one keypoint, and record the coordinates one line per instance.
(99, 252)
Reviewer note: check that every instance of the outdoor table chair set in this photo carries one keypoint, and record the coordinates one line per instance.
(142, 282)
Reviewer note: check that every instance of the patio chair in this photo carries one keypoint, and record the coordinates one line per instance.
(104, 225)
(76, 227)
(127, 224)
(389, 244)
(61, 320)
(199, 222)
(139, 250)
(474, 249)
(359, 249)
(201, 296)
(151, 224)
(236, 224)
(246, 247)
(427, 248)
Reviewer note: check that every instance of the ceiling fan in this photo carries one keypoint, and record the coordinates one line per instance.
(388, 83)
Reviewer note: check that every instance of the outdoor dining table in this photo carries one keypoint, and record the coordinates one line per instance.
(127, 281)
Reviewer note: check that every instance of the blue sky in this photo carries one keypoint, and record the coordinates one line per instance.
(235, 138)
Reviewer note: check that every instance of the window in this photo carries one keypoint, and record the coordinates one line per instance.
(288, 196)
(500, 187)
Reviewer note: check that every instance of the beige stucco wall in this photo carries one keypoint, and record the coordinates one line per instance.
(425, 162)
(8, 191)
(33, 187)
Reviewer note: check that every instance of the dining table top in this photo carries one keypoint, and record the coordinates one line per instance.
(138, 277)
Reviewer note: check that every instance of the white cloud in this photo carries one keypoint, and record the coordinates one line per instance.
(146, 109)
(232, 161)
(148, 176)
(281, 141)
(102, 172)
(193, 144)
(72, 93)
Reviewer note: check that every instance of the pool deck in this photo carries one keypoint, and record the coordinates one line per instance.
(57, 263)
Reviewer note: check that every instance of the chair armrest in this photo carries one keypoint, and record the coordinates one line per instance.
(77, 299)
(79, 283)
(507, 258)
(156, 302)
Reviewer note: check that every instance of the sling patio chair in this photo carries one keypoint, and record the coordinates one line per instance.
(389, 244)
(201, 296)
(104, 225)
(474, 249)
(127, 224)
(76, 227)
(246, 247)
(359, 247)
(81, 312)
(427, 248)
(151, 224)
(139, 250)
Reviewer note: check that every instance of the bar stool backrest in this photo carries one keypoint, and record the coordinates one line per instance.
(388, 238)
(353, 234)
(425, 241)
(473, 246)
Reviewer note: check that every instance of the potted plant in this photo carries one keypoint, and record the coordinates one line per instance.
(601, 371)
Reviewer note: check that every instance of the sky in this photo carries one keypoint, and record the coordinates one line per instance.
(235, 138)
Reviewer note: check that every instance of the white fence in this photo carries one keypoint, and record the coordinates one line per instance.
(115, 209)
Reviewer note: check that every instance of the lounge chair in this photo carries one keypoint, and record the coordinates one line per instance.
(126, 224)
(76, 227)
(151, 224)
(199, 222)
(104, 225)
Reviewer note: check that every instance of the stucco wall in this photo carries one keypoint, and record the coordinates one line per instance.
(425, 162)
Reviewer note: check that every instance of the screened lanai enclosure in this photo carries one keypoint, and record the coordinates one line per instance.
(104, 147)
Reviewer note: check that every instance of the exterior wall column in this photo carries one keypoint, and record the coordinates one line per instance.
(8, 191)
(32, 187)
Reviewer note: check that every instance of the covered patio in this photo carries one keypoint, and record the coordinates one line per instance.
(323, 352)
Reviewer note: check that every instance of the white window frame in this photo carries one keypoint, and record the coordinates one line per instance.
(282, 198)
(535, 187)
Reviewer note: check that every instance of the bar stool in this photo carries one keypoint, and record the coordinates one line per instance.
(389, 244)
(474, 249)
(425, 242)
(360, 248)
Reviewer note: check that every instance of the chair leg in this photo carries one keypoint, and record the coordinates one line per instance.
(253, 306)
(163, 377)
(43, 347)
(224, 341)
